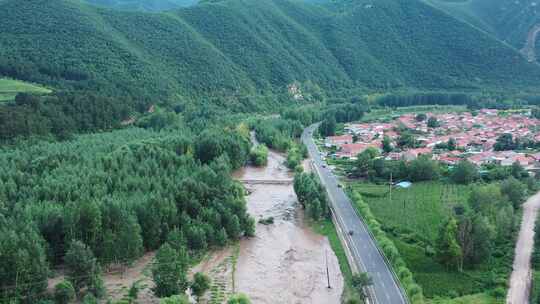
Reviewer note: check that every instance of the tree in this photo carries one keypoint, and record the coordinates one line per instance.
(504, 142)
(451, 145)
(433, 122)
(239, 299)
(423, 169)
(82, 268)
(407, 140)
(421, 117)
(448, 251)
(485, 199)
(176, 299)
(535, 113)
(23, 264)
(364, 162)
(83, 223)
(361, 281)
(168, 272)
(482, 235)
(518, 171)
(328, 126)
(249, 227)
(387, 144)
(200, 284)
(129, 243)
(259, 155)
(464, 173)
(514, 190)
(64, 292)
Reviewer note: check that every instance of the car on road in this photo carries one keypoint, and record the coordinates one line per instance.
(340, 185)
(351, 232)
(324, 166)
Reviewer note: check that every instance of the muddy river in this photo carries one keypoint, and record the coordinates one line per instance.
(286, 261)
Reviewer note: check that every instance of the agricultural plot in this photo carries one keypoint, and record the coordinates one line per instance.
(419, 209)
(9, 88)
(412, 218)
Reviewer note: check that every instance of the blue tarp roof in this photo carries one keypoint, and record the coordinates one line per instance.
(404, 184)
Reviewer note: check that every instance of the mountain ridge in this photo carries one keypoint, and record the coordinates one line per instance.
(244, 46)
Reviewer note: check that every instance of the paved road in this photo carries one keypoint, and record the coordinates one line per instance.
(364, 251)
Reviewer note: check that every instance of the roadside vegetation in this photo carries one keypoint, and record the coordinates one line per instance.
(535, 288)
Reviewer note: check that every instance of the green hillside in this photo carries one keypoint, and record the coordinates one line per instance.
(509, 20)
(9, 88)
(143, 5)
(247, 46)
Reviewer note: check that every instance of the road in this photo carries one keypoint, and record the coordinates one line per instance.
(385, 289)
(520, 280)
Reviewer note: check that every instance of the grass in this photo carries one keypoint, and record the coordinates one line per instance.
(433, 277)
(479, 298)
(419, 209)
(412, 218)
(328, 229)
(9, 88)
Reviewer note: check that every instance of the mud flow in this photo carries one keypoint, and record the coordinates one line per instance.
(286, 261)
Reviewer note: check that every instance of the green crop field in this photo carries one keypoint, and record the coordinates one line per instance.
(419, 209)
(9, 88)
(412, 218)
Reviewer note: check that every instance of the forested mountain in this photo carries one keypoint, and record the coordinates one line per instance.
(511, 21)
(247, 46)
(143, 5)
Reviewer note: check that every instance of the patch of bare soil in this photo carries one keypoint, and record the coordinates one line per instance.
(119, 281)
(520, 280)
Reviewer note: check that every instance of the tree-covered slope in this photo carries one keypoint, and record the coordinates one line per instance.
(143, 5)
(248, 46)
(511, 21)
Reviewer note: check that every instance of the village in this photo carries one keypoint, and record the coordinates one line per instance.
(448, 138)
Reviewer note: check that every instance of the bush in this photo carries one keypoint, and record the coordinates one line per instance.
(64, 292)
(259, 155)
(498, 293)
(414, 289)
(267, 221)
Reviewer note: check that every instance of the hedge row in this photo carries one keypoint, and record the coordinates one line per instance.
(414, 291)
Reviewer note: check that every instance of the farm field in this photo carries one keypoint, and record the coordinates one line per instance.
(411, 218)
(10, 87)
(419, 209)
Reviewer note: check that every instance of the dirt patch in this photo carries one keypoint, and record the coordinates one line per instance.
(219, 266)
(118, 282)
(520, 280)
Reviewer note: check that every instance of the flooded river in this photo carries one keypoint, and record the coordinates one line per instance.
(286, 261)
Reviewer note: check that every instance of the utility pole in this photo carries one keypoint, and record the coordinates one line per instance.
(390, 185)
(327, 272)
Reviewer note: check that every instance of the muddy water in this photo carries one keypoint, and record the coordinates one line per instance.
(286, 261)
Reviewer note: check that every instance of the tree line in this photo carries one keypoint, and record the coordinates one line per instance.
(107, 198)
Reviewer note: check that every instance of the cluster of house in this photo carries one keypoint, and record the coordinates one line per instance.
(473, 135)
